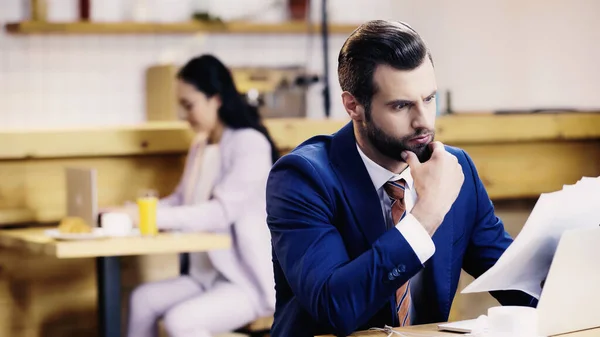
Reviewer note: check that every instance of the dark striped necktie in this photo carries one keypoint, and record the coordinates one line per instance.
(395, 191)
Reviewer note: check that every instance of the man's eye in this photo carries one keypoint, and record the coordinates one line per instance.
(429, 98)
(400, 106)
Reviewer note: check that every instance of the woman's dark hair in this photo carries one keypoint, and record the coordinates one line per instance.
(208, 75)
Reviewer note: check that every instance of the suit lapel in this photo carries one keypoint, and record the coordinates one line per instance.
(356, 184)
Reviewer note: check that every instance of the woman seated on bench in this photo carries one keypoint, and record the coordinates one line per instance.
(222, 190)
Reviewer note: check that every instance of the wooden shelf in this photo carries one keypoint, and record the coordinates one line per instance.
(174, 137)
(31, 27)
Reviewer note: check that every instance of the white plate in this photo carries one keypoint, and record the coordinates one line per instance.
(132, 232)
(97, 233)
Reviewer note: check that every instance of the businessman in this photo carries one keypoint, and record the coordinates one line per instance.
(371, 226)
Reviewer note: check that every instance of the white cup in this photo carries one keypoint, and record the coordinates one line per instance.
(512, 321)
(116, 224)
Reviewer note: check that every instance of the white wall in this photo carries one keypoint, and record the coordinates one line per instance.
(501, 54)
(492, 55)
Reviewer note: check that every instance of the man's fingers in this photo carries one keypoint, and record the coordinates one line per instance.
(411, 159)
(437, 146)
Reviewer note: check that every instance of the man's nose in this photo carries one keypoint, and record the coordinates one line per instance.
(422, 118)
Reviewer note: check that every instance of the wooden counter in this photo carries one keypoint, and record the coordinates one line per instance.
(518, 156)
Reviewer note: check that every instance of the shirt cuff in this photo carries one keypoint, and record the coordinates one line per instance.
(417, 237)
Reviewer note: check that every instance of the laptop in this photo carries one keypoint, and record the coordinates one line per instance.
(570, 300)
(82, 194)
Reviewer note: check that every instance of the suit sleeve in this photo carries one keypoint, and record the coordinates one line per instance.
(488, 242)
(336, 291)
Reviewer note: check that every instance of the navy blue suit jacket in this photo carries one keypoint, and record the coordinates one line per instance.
(337, 267)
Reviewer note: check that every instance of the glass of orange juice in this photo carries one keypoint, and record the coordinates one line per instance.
(147, 203)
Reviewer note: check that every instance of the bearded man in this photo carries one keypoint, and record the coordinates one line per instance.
(371, 226)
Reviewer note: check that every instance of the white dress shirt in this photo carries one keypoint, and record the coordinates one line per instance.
(412, 230)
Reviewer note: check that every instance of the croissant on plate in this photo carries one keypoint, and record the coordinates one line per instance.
(74, 225)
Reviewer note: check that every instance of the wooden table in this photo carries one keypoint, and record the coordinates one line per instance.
(107, 252)
(430, 330)
(427, 330)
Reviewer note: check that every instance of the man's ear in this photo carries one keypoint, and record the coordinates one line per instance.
(354, 109)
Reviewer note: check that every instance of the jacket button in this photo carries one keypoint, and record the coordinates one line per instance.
(391, 276)
(402, 268)
(395, 272)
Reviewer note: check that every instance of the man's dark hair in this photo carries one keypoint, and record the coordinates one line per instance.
(375, 43)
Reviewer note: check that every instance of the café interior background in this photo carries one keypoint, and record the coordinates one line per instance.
(491, 55)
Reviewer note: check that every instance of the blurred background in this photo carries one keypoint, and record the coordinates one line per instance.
(92, 83)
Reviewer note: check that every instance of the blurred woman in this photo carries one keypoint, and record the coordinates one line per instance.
(222, 190)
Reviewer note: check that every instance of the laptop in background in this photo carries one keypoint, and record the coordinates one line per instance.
(82, 194)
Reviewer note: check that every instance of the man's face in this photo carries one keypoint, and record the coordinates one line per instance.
(402, 112)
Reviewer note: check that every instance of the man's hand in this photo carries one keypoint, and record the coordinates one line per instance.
(437, 182)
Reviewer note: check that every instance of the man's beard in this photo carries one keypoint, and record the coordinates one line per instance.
(393, 147)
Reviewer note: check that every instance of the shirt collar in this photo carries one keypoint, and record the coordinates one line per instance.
(380, 175)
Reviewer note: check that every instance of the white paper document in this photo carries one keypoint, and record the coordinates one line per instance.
(525, 264)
